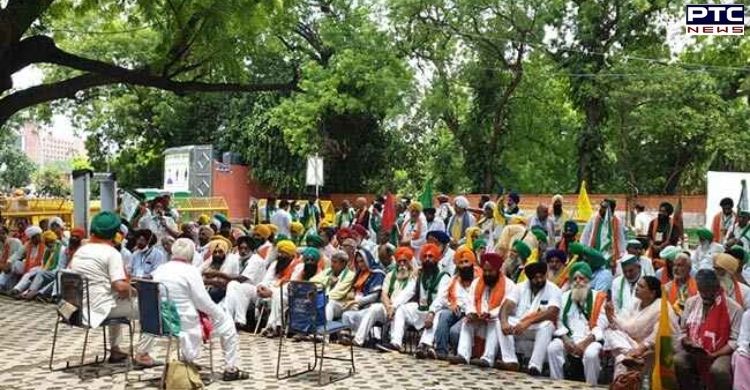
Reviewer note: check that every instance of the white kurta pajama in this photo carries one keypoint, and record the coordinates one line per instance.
(363, 320)
(490, 330)
(186, 289)
(464, 300)
(410, 314)
(272, 282)
(623, 295)
(240, 295)
(446, 263)
(540, 334)
(578, 326)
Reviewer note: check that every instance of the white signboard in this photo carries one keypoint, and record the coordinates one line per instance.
(129, 205)
(177, 171)
(314, 175)
(721, 185)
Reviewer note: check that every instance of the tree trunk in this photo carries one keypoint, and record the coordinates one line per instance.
(590, 141)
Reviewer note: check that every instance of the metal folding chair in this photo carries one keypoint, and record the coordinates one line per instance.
(74, 289)
(306, 310)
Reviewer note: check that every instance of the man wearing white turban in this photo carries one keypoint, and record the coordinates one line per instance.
(461, 220)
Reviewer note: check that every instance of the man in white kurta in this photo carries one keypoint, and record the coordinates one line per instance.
(527, 316)
(241, 292)
(449, 308)
(185, 288)
(739, 233)
(580, 330)
(281, 271)
(490, 228)
(109, 292)
(703, 255)
(398, 289)
(414, 228)
(431, 283)
(623, 286)
(486, 296)
(441, 239)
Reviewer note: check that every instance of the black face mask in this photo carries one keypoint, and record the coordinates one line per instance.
(466, 273)
(310, 270)
(490, 280)
(282, 263)
(217, 261)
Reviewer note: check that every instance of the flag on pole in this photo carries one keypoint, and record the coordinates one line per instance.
(583, 207)
(389, 214)
(663, 377)
(425, 198)
(743, 204)
(497, 213)
(677, 221)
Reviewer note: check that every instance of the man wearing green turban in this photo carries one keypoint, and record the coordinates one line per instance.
(479, 247)
(109, 291)
(518, 255)
(703, 256)
(602, 276)
(581, 307)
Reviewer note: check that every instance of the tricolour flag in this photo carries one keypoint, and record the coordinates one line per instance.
(663, 377)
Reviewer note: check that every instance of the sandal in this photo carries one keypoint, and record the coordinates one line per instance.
(237, 375)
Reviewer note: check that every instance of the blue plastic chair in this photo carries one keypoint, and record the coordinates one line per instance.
(150, 318)
(74, 289)
(306, 310)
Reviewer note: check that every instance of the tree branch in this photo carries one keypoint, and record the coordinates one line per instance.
(101, 73)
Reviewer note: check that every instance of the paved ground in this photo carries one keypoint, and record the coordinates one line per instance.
(26, 330)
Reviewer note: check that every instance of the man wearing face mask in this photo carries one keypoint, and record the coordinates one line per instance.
(221, 269)
(44, 281)
(280, 271)
(241, 291)
(431, 283)
(569, 233)
(487, 294)
(528, 314)
(398, 289)
(146, 257)
(449, 307)
(302, 271)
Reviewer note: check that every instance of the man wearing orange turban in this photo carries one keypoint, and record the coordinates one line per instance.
(449, 307)
(431, 283)
(482, 315)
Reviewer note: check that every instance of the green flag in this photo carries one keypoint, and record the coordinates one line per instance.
(425, 198)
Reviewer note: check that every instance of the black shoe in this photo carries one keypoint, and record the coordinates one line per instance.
(236, 375)
(421, 353)
(480, 363)
(388, 347)
(533, 371)
(455, 359)
(442, 356)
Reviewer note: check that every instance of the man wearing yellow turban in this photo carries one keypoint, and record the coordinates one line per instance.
(280, 271)
(220, 269)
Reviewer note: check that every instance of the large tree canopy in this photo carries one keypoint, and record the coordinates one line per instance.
(529, 95)
(193, 46)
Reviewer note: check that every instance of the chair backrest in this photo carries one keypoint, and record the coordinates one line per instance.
(149, 306)
(306, 307)
(73, 288)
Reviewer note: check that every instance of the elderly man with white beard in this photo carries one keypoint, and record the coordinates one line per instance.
(580, 327)
(398, 289)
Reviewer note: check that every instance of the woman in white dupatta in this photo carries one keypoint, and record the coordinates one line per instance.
(630, 335)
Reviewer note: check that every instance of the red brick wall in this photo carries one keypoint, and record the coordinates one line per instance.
(237, 188)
